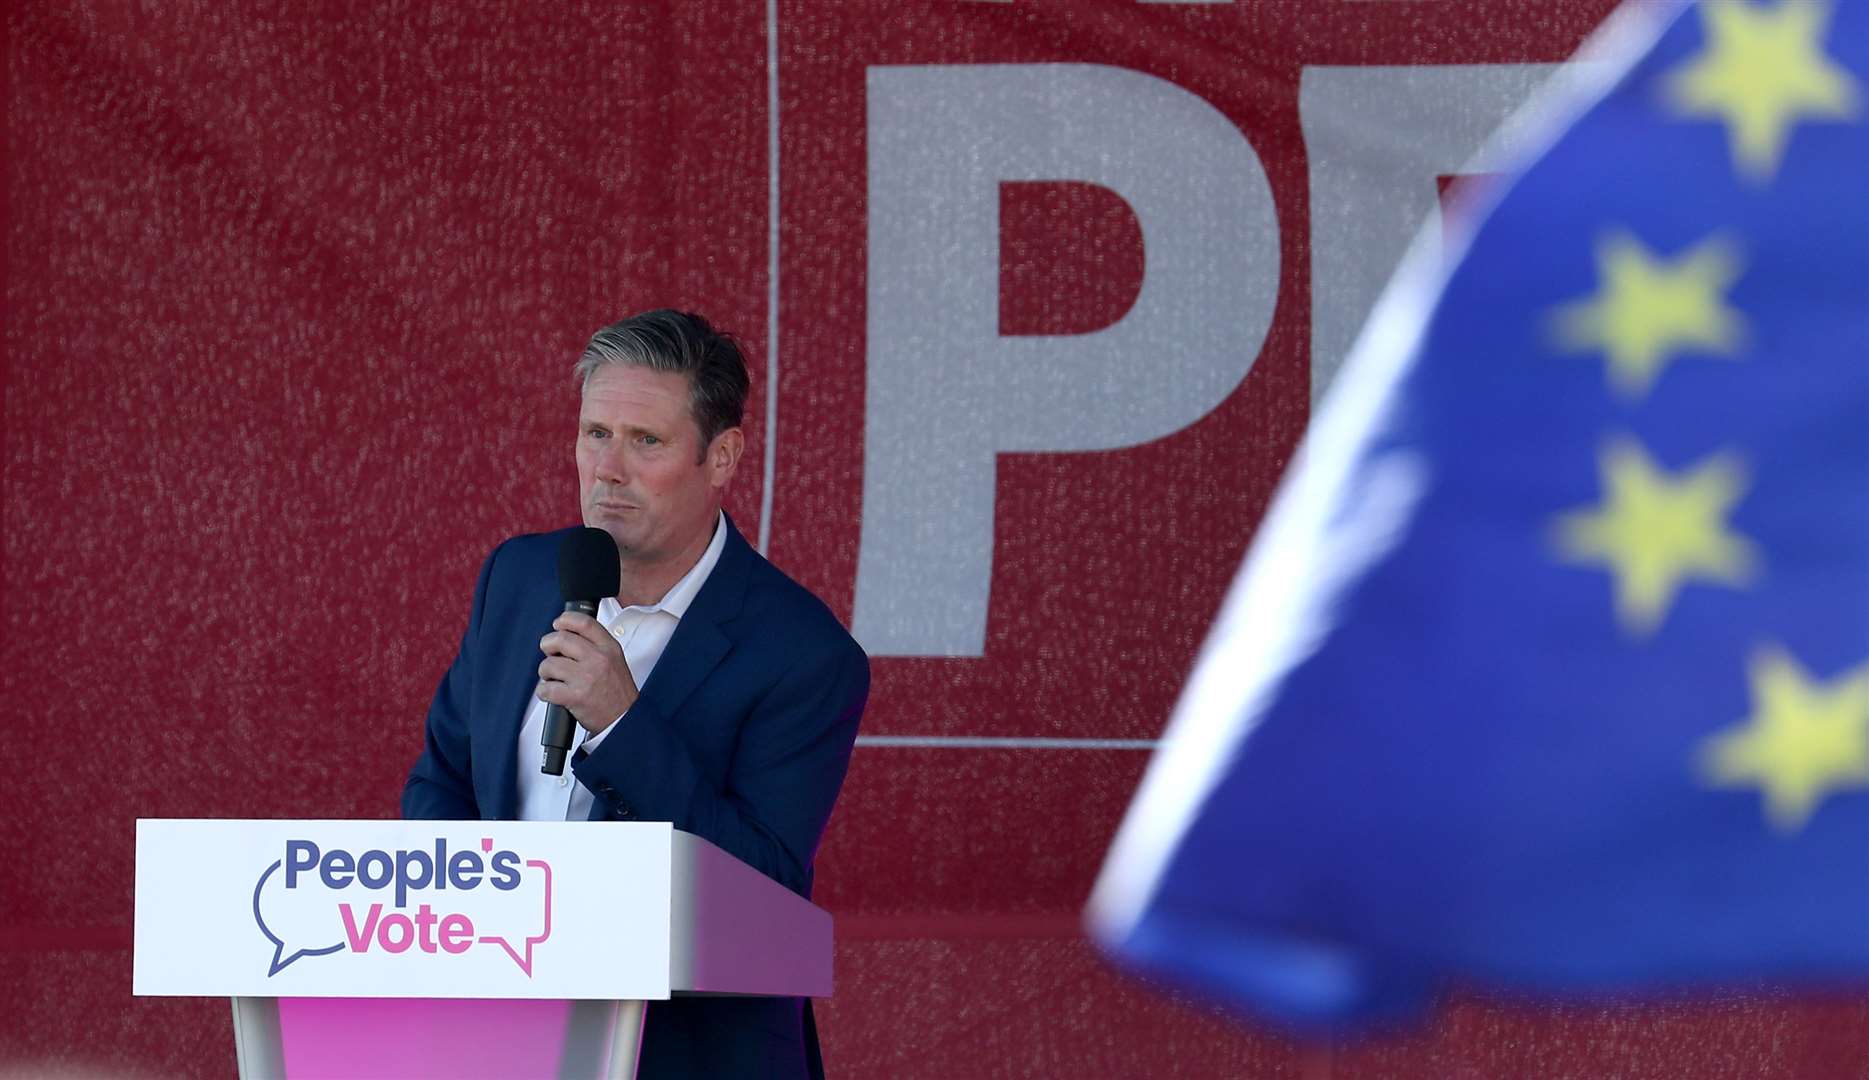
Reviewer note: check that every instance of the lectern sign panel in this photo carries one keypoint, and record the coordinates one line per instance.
(402, 909)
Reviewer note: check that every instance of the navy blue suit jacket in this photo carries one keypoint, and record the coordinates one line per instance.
(742, 736)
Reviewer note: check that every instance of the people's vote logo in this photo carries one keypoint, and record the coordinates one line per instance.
(313, 902)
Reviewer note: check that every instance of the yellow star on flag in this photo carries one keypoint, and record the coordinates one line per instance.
(1801, 742)
(1655, 531)
(1646, 309)
(1762, 70)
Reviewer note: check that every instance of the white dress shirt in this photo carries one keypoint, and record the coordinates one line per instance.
(643, 632)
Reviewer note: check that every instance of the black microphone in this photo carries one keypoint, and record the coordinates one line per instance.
(588, 571)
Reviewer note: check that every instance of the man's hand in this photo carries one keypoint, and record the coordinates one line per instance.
(584, 671)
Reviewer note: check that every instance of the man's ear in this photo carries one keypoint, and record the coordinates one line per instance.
(723, 456)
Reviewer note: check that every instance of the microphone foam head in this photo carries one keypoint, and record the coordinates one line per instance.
(588, 566)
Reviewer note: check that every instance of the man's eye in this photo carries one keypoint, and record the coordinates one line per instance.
(650, 440)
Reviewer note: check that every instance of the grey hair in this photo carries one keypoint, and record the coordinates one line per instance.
(686, 344)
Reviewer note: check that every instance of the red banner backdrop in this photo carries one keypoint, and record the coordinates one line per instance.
(1038, 295)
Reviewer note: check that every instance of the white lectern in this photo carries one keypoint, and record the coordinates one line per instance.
(408, 948)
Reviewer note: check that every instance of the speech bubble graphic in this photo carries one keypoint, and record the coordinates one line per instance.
(292, 920)
(403, 901)
(529, 941)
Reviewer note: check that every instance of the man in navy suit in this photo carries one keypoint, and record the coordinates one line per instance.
(712, 692)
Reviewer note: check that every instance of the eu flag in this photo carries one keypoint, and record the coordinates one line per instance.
(1549, 669)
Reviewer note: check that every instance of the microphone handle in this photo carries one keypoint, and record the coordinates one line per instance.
(559, 724)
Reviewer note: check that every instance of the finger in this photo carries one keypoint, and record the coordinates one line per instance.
(567, 644)
(579, 623)
(592, 635)
(560, 694)
(558, 670)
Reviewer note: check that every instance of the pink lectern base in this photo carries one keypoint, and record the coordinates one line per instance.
(298, 1038)
(415, 1037)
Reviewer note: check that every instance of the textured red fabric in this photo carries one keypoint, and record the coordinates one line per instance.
(291, 300)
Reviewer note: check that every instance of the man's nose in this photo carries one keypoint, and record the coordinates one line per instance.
(610, 466)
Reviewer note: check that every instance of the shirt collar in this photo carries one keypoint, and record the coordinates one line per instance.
(679, 595)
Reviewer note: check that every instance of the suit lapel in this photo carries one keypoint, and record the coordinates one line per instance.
(701, 640)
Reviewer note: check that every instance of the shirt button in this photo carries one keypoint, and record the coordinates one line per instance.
(563, 780)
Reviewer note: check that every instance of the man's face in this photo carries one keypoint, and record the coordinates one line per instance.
(643, 475)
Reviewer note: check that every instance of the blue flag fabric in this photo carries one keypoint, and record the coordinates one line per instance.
(1549, 670)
